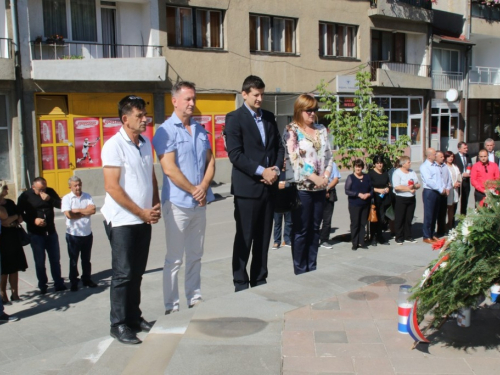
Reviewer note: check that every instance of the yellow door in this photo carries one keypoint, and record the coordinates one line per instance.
(56, 159)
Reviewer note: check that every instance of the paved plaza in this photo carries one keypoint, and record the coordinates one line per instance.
(340, 319)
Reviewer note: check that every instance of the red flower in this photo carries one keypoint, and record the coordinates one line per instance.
(438, 244)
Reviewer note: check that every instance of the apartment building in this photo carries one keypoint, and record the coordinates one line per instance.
(79, 57)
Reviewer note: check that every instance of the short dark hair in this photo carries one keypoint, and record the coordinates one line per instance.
(447, 154)
(39, 179)
(252, 82)
(439, 152)
(359, 163)
(182, 85)
(378, 159)
(129, 102)
(460, 144)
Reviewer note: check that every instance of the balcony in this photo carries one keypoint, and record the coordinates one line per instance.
(447, 80)
(393, 74)
(485, 19)
(410, 10)
(484, 83)
(7, 67)
(76, 61)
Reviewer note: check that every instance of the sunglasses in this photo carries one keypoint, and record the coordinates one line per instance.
(311, 110)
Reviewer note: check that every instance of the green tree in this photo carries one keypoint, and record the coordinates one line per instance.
(363, 132)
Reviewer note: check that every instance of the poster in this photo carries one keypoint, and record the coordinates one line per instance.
(87, 142)
(110, 126)
(149, 129)
(62, 157)
(46, 132)
(47, 158)
(206, 122)
(61, 131)
(219, 124)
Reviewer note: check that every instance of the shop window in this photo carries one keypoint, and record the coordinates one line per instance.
(337, 40)
(416, 106)
(399, 124)
(194, 27)
(272, 34)
(399, 103)
(4, 141)
(81, 15)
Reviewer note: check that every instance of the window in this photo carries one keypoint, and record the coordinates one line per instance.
(4, 141)
(445, 60)
(272, 34)
(337, 40)
(82, 18)
(192, 27)
(388, 46)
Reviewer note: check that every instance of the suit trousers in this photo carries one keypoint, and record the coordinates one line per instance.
(306, 221)
(326, 225)
(129, 256)
(478, 196)
(79, 246)
(464, 196)
(359, 218)
(443, 211)
(404, 209)
(431, 200)
(185, 234)
(254, 222)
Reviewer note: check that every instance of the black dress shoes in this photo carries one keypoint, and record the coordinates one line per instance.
(90, 284)
(124, 334)
(143, 326)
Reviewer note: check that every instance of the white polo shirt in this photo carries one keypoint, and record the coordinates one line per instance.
(136, 163)
(77, 227)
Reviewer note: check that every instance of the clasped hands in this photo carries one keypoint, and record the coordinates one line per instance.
(269, 175)
(151, 215)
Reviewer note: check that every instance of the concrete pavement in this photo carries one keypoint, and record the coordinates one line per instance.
(258, 331)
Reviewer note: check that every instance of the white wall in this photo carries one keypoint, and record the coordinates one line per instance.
(130, 19)
(486, 53)
(416, 49)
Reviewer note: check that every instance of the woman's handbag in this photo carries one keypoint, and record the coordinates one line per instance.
(372, 217)
(287, 199)
(332, 195)
(24, 238)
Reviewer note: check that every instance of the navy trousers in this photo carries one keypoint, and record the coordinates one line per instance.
(431, 200)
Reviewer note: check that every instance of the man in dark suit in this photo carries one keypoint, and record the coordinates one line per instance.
(489, 146)
(255, 149)
(464, 163)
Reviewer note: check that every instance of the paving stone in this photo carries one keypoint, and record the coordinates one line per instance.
(428, 365)
(325, 337)
(367, 335)
(298, 344)
(350, 350)
(319, 365)
(372, 366)
(483, 366)
(314, 325)
(326, 305)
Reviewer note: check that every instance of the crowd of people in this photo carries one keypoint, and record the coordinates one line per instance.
(264, 162)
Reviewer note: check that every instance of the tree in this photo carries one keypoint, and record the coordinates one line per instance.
(363, 132)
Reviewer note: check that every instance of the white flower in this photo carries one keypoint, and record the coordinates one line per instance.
(424, 276)
(452, 235)
(465, 227)
(443, 265)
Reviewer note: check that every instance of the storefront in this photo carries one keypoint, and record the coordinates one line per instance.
(483, 119)
(445, 120)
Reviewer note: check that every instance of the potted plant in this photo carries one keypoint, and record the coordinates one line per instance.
(55, 39)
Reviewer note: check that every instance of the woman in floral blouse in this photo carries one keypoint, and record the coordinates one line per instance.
(311, 158)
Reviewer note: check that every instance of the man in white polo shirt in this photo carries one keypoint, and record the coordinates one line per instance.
(131, 205)
(78, 207)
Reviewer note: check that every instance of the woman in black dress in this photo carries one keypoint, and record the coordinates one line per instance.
(381, 198)
(11, 251)
(359, 190)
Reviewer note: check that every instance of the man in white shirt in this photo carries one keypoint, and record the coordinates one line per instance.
(78, 207)
(131, 205)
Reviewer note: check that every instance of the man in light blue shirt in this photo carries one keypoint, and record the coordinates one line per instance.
(434, 188)
(443, 200)
(188, 165)
(331, 198)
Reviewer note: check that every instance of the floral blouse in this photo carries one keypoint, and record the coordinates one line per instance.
(308, 154)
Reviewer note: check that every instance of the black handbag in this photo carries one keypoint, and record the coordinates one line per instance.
(24, 238)
(287, 199)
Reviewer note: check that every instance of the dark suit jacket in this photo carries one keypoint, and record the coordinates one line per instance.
(460, 164)
(246, 151)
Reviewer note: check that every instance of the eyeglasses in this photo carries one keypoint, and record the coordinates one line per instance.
(311, 110)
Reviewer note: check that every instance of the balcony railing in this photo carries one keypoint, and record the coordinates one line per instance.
(5, 48)
(411, 69)
(447, 80)
(426, 4)
(484, 75)
(79, 50)
(489, 13)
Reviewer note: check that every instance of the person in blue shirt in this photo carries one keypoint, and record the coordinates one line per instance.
(188, 165)
(434, 188)
(331, 198)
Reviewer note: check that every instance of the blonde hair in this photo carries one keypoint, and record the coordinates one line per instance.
(303, 102)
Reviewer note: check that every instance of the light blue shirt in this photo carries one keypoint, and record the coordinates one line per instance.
(258, 121)
(335, 173)
(190, 157)
(445, 176)
(431, 176)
